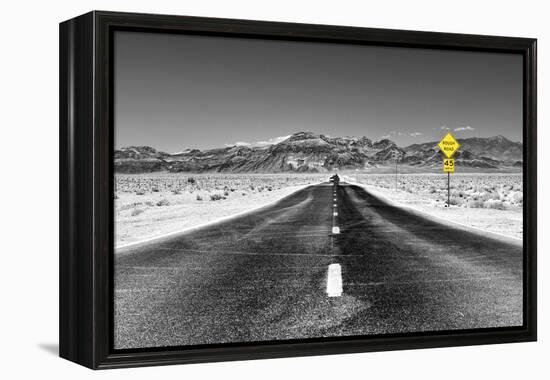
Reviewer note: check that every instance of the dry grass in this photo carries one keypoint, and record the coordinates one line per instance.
(208, 186)
(491, 191)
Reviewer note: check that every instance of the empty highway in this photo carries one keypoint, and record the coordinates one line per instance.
(325, 261)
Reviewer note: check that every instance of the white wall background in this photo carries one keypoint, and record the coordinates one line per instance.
(29, 186)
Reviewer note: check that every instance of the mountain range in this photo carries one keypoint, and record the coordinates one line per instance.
(310, 152)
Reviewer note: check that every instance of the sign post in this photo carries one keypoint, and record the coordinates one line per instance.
(396, 174)
(448, 146)
(448, 167)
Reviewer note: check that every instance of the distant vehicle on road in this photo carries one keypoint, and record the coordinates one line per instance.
(335, 179)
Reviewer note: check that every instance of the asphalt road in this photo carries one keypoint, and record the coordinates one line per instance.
(264, 276)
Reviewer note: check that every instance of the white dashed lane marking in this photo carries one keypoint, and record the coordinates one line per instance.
(334, 280)
(334, 273)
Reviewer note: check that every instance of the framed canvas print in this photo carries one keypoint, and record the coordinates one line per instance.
(238, 189)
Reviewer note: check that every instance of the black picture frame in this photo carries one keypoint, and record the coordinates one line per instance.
(86, 187)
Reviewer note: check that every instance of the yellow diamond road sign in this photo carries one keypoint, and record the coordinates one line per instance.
(448, 145)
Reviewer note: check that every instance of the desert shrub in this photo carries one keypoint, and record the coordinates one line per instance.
(129, 206)
(137, 211)
(155, 189)
(216, 197)
(191, 180)
(476, 203)
(199, 198)
(176, 192)
(494, 204)
(517, 198)
(140, 192)
(226, 193)
(163, 202)
(457, 201)
(486, 196)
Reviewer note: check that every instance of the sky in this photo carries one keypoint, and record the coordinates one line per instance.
(175, 92)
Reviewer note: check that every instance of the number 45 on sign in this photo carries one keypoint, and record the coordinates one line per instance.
(449, 165)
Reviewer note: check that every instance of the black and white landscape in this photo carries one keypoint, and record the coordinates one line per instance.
(268, 190)
(326, 260)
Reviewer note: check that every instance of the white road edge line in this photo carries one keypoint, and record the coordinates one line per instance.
(334, 280)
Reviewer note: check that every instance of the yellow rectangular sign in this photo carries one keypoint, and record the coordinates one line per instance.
(449, 165)
(448, 145)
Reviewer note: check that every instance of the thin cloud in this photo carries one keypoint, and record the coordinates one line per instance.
(272, 141)
(415, 134)
(445, 128)
(466, 128)
(386, 137)
(239, 143)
